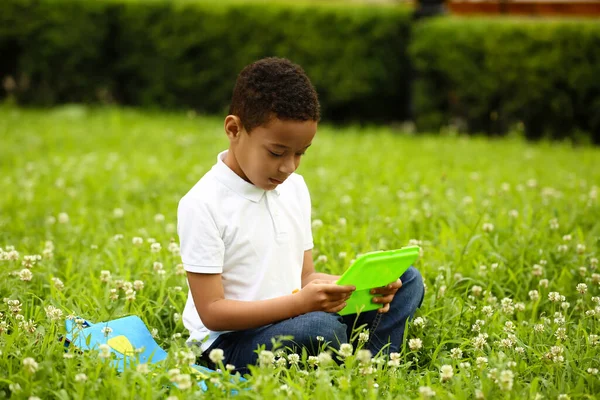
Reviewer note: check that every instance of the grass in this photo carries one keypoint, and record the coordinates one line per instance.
(503, 224)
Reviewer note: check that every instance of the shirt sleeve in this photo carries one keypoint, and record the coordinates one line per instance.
(201, 244)
(307, 207)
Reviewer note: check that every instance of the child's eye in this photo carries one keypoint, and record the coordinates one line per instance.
(275, 154)
(301, 154)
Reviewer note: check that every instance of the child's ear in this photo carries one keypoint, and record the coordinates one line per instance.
(233, 127)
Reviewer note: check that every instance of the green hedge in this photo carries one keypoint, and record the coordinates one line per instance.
(482, 74)
(490, 74)
(187, 54)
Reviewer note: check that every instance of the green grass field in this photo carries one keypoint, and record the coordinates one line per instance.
(510, 232)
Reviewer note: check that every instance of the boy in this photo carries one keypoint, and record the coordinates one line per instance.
(246, 240)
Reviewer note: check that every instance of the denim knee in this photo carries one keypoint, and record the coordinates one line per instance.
(413, 287)
(320, 324)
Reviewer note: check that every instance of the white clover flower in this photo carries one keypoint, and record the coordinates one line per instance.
(130, 295)
(426, 392)
(184, 381)
(509, 326)
(481, 362)
(118, 236)
(592, 371)
(480, 341)
(313, 360)
(322, 258)
(157, 266)
(293, 359)
(567, 238)
(63, 218)
(137, 241)
(537, 270)
(53, 313)
(364, 356)
(317, 223)
(176, 317)
(446, 372)
(456, 353)
(174, 247)
(534, 295)
(554, 297)
(154, 333)
(487, 311)
(159, 218)
(81, 377)
(58, 284)
(118, 213)
(266, 358)
(324, 358)
(104, 350)
(346, 349)
(281, 362)
(476, 290)
(507, 306)
(513, 214)
(419, 322)
(543, 283)
(142, 368)
(561, 333)
(363, 337)
(155, 247)
(415, 344)
(107, 330)
(105, 276)
(320, 338)
(562, 248)
(505, 380)
(488, 227)
(138, 285)
(30, 365)
(582, 288)
(25, 275)
(580, 248)
(519, 350)
(342, 221)
(230, 367)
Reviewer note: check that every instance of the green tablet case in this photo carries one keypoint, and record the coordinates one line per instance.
(373, 270)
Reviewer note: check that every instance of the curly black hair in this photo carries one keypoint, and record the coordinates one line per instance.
(273, 87)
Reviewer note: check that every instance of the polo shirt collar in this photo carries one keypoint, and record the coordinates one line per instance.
(234, 182)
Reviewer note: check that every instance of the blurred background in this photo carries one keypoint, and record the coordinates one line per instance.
(491, 66)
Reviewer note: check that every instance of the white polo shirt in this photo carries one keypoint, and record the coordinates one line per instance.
(254, 238)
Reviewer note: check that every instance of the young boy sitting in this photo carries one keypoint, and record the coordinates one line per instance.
(246, 239)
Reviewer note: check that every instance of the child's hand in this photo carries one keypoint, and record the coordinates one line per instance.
(322, 295)
(386, 295)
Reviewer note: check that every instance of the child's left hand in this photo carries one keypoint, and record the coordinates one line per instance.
(386, 295)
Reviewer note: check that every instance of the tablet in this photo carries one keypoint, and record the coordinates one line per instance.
(373, 270)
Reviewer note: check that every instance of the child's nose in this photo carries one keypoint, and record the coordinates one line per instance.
(288, 165)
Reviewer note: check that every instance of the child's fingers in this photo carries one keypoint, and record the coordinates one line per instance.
(383, 299)
(338, 307)
(333, 288)
(384, 309)
(390, 288)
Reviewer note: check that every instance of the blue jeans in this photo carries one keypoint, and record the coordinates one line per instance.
(239, 346)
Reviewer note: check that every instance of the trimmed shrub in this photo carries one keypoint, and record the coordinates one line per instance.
(55, 51)
(188, 54)
(490, 74)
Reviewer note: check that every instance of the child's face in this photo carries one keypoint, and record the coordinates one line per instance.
(269, 154)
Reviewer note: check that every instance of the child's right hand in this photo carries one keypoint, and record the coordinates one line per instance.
(321, 295)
